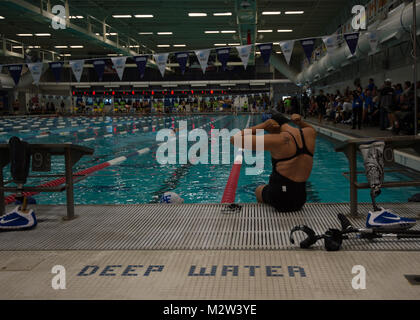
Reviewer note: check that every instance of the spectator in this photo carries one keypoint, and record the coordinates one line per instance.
(357, 108)
(386, 105)
(321, 102)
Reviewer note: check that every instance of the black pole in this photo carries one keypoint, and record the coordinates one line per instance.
(415, 63)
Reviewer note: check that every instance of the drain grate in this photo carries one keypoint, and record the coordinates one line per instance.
(413, 279)
(190, 227)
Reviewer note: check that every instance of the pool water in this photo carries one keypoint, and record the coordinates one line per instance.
(142, 179)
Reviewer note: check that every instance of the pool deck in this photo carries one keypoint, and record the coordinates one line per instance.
(158, 252)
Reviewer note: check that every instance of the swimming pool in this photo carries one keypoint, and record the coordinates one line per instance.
(141, 179)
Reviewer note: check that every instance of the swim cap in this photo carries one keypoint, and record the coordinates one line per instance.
(279, 118)
(171, 198)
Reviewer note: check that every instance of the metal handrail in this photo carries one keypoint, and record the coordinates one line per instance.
(350, 149)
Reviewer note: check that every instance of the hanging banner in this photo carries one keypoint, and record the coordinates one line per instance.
(141, 62)
(77, 67)
(330, 43)
(36, 71)
(223, 56)
(287, 49)
(15, 71)
(56, 69)
(182, 58)
(373, 40)
(244, 52)
(99, 66)
(119, 65)
(308, 46)
(161, 61)
(352, 40)
(265, 50)
(203, 58)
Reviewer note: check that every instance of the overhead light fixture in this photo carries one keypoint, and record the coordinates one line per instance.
(265, 31)
(211, 31)
(198, 84)
(141, 85)
(219, 14)
(197, 14)
(257, 83)
(180, 45)
(121, 16)
(17, 47)
(234, 44)
(1, 18)
(278, 52)
(228, 31)
(164, 33)
(76, 17)
(219, 44)
(112, 55)
(271, 13)
(24, 34)
(34, 47)
(112, 34)
(163, 45)
(228, 84)
(43, 34)
(76, 47)
(294, 12)
(67, 54)
(61, 47)
(285, 30)
(144, 33)
(143, 16)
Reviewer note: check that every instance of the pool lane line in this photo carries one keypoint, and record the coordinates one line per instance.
(180, 172)
(229, 194)
(66, 133)
(54, 183)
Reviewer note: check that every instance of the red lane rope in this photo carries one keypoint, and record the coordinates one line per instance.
(229, 194)
(12, 198)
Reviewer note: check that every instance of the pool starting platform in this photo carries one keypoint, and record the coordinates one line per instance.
(202, 251)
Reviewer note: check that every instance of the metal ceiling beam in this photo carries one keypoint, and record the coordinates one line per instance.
(46, 17)
(246, 14)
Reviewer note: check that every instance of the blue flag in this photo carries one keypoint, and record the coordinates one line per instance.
(56, 69)
(182, 58)
(99, 66)
(141, 62)
(15, 71)
(265, 50)
(223, 56)
(308, 46)
(352, 40)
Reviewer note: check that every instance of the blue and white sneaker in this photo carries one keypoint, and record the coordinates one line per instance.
(18, 220)
(386, 219)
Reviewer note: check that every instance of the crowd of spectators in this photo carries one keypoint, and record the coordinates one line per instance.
(390, 107)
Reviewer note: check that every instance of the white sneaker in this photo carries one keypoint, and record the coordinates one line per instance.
(390, 128)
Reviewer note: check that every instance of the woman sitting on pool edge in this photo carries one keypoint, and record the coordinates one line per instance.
(292, 151)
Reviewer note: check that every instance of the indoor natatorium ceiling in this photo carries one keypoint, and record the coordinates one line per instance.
(137, 23)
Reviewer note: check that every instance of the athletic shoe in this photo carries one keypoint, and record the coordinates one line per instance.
(387, 219)
(390, 128)
(18, 220)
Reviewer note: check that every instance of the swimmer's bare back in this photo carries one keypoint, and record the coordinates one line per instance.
(280, 143)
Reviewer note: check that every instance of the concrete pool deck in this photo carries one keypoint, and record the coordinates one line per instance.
(200, 252)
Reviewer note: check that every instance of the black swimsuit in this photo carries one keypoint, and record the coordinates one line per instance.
(282, 193)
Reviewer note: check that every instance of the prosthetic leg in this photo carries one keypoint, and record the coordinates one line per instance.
(373, 155)
(21, 218)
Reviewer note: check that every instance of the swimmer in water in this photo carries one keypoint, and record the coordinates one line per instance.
(292, 150)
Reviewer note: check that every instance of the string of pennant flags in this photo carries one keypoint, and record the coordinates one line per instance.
(161, 59)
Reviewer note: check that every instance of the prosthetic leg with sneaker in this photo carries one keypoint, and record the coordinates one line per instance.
(374, 167)
(20, 218)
